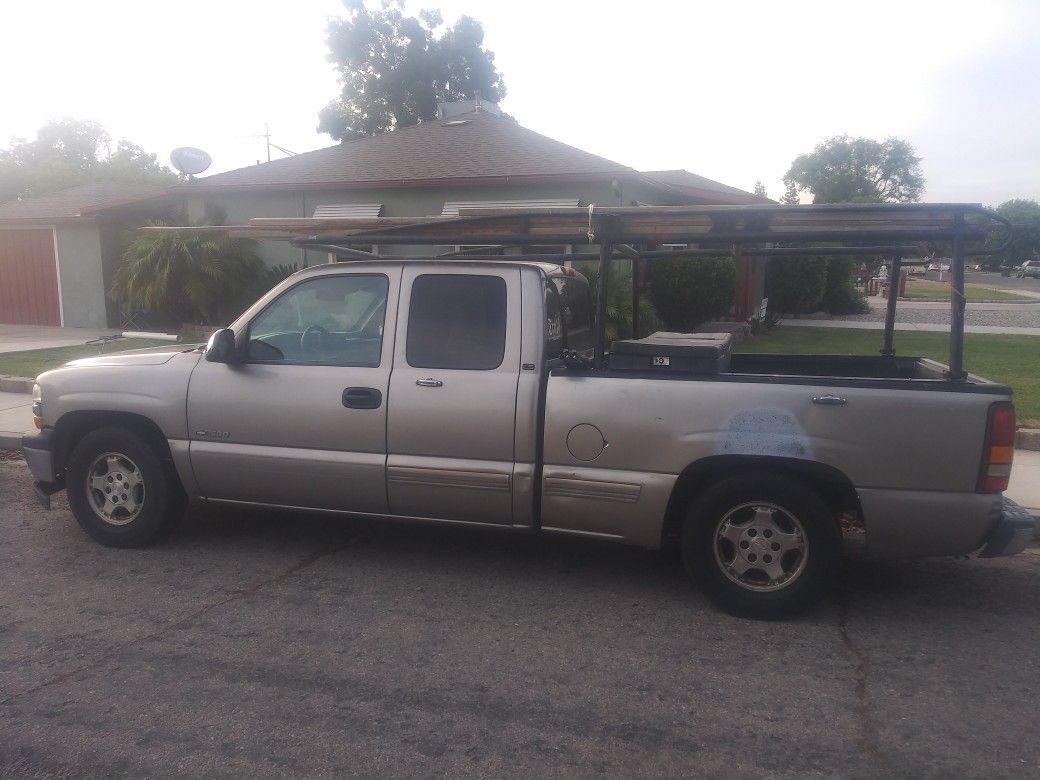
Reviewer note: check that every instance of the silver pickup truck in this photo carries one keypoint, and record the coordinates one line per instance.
(454, 392)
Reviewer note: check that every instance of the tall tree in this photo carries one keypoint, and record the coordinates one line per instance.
(859, 170)
(760, 189)
(1025, 242)
(790, 196)
(67, 152)
(395, 68)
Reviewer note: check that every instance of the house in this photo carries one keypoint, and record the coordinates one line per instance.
(57, 253)
(470, 155)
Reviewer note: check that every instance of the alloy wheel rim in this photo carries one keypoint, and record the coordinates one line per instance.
(115, 488)
(760, 546)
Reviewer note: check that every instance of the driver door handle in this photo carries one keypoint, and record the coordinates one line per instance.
(429, 382)
(362, 398)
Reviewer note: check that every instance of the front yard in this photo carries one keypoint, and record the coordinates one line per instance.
(1013, 360)
(926, 289)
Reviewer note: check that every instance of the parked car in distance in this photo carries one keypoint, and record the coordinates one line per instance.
(457, 392)
(1030, 268)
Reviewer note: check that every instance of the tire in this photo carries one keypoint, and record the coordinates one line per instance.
(761, 545)
(132, 499)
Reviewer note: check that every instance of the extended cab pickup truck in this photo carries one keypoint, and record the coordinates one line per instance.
(454, 392)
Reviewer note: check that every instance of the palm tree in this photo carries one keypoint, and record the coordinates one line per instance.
(619, 302)
(187, 275)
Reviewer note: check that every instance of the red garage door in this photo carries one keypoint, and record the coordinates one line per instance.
(28, 278)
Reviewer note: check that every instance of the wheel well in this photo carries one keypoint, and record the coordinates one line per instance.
(73, 426)
(834, 488)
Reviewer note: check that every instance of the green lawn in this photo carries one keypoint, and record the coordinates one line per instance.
(36, 361)
(1012, 360)
(973, 293)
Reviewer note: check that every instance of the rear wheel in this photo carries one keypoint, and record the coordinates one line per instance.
(761, 545)
(118, 489)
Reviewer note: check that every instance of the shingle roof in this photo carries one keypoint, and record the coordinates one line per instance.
(70, 204)
(692, 184)
(471, 146)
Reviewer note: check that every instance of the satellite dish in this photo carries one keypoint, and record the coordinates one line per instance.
(190, 160)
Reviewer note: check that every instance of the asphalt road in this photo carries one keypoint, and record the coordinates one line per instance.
(263, 645)
(996, 280)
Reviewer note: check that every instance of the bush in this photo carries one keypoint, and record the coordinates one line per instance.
(688, 291)
(841, 295)
(796, 285)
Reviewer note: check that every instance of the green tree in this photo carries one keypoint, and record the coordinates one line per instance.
(187, 276)
(689, 291)
(859, 170)
(790, 196)
(67, 152)
(760, 189)
(395, 68)
(1025, 243)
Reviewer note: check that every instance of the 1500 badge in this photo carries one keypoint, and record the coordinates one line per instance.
(214, 434)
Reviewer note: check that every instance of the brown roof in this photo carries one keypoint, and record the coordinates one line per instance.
(72, 204)
(477, 145)
(698, 186)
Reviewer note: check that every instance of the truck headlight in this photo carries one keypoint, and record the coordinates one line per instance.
(37, 406)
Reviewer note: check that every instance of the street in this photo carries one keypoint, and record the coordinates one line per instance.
(996, 280)
(273, 644)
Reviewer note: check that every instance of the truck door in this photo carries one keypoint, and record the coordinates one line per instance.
(302, 421)
(453, 394)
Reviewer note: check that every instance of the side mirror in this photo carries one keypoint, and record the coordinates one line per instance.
(221, 347)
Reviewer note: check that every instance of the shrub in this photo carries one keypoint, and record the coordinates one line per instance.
(796, 285)
(841, 295)
(689, 291)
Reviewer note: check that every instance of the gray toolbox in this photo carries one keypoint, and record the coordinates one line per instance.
(699, 353)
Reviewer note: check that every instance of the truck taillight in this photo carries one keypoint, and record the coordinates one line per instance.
(999, 449)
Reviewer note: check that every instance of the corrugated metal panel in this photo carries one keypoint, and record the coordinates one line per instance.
(348, 211)
(28, 278)
(451, 208)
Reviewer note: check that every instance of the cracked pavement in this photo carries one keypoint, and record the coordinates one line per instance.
(267, 644)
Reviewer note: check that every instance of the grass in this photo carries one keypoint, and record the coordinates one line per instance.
(1012, 360)
(34, 362)
(917, 289)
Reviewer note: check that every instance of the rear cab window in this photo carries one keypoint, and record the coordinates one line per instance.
(457, 321)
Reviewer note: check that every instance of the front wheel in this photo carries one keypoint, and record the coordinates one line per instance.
(761, 545)
(118, 489)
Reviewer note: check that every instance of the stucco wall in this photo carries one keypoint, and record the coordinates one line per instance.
(80, 276)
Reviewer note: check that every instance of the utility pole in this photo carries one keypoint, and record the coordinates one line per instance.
(267, 137)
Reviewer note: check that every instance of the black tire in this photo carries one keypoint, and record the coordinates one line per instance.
(706, 552)
(152, 492)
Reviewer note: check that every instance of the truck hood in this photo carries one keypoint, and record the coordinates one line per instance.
(149, 356)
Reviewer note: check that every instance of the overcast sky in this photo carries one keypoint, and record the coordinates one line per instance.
(729, 90)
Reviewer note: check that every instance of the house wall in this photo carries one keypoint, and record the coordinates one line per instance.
(80, 275)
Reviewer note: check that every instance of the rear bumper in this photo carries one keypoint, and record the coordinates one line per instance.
(1015, 529)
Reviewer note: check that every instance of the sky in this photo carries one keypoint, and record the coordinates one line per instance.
(729, 90)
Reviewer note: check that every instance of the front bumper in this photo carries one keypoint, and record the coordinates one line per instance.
(1015, 529)
(40, 457)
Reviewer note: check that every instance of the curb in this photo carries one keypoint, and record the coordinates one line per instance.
(1027, 439)
(10, 441)
(16, 384)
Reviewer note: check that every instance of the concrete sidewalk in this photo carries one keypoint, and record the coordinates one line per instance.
(21, 338)
(908, 326)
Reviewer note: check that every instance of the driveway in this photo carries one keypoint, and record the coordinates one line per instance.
(19, 338)
(262, 645)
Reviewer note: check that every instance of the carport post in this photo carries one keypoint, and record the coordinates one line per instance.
(957, 302)
(637, 267)
(605, 248)
(888, 350)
